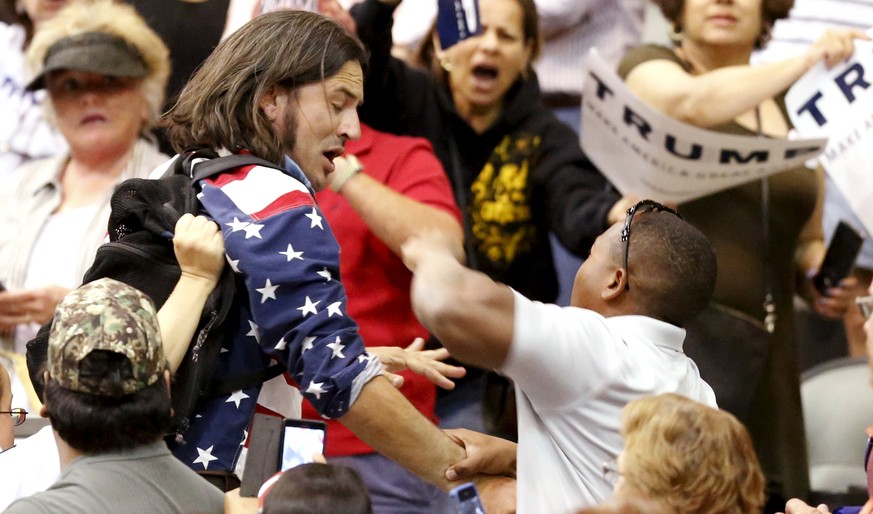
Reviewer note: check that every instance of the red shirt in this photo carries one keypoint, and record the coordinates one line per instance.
(376, 281)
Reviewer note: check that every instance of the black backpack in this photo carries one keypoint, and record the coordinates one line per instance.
(140, 253)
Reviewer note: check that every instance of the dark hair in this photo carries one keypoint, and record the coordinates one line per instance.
(318, 489)
(99, 424)
(771, 10)
(10, 15)
(218, 108)
(674, 267)
(530, 24)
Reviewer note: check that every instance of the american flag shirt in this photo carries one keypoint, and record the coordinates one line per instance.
(292, 310)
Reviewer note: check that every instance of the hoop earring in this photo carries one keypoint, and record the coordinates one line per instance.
(446, 64)
(764, 36)
(676, 35)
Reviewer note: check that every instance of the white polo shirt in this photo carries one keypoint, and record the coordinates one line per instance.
(574, 372)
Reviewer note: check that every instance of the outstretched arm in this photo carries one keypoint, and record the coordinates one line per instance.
(427, 363)
(720, 95)
(415, 442)
(390, 215)
(468, 312)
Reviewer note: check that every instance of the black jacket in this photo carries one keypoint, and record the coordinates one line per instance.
(521, 178)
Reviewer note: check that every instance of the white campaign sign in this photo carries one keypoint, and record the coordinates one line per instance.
(646, 153)
(838, 104)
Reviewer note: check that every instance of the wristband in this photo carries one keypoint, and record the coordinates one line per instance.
(342, 177)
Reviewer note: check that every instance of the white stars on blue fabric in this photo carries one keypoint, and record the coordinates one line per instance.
(253, 230)
(236, 225)
(315, 219)
(254, 331)
(205, 457)
(316, 389)
(285, 254)
(337, 349)
(236, 397)
(308, 307)
(290, 254)
(268, 292)
(334, 308)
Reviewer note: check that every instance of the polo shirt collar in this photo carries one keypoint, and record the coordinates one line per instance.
(659, 333)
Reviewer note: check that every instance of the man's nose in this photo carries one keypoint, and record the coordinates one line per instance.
(350, 126)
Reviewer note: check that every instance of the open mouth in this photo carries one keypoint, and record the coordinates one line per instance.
(485, 72)
(332, 154)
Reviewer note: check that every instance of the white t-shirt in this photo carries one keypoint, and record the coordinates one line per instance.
(30, 467)
(62, 234)
(574, 372)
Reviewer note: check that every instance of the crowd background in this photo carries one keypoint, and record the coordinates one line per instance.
(501, 118)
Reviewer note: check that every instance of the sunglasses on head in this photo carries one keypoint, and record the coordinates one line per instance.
(641, 207)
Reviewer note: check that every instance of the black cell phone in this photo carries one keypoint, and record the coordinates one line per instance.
(465, 499)
(839, 259)
(265, 442)
(301, 440)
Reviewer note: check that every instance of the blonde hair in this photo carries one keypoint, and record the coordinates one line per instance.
(626, 505)
(690, 457)
(119, 20)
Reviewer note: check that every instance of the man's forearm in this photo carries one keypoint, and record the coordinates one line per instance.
(385, 420)
(468, 312)
(180, 314)
(393, 218)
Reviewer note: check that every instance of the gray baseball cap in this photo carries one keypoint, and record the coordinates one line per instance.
(96, 52)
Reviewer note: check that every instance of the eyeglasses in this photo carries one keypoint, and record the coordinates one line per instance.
(865, 304)
(611, 472)
(641, 207)
(18, 415)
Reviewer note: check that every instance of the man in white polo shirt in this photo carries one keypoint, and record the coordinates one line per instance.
(576, 367)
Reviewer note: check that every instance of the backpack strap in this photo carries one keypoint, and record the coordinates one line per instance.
(214, 163)
(229, 162)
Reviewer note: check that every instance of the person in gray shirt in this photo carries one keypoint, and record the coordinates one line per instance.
(107, 397)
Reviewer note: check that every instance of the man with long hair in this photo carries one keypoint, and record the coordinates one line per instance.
(285, 88)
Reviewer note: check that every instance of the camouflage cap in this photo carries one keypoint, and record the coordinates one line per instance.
(111, 316)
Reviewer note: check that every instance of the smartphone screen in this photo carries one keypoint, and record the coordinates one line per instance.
(465, 499)
(301, 440)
